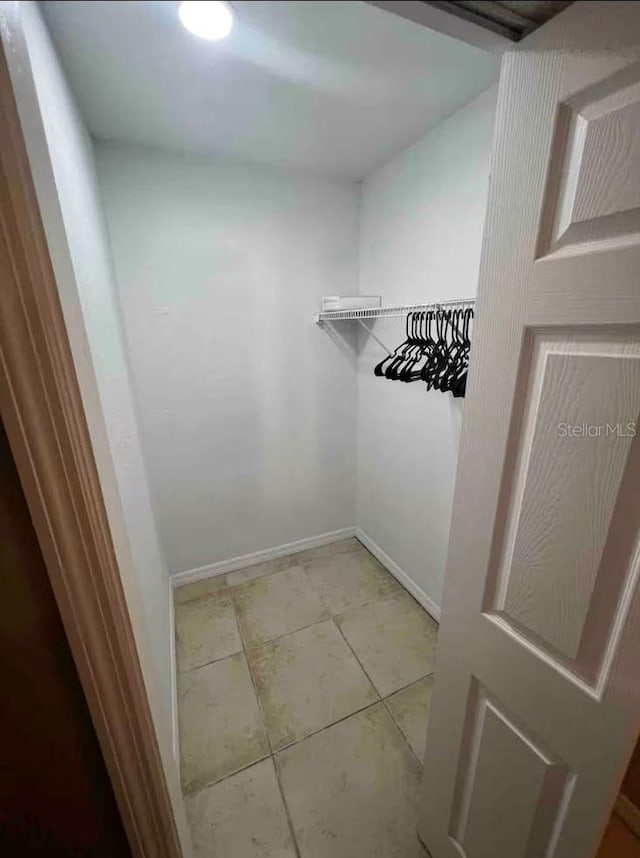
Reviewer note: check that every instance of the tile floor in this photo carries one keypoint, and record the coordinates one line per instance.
(304, 687)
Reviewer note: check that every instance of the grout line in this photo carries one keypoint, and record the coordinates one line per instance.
(400, 730)
(245, 649)
(276, 768)
(250, 646)
(209, 663)
(288, 634)
(269, 754)
(328, 726)
(268, 737)
(384, 699)
(355, 655)
(334, 614)
(274, 758)
(263, 720)
(408, 685)
(273, 753)
(359, 711)
(329, 616)
(190, 793)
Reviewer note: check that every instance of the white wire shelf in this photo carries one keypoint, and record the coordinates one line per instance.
(387, 312)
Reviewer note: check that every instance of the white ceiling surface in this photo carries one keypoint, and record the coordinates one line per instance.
(333, 87)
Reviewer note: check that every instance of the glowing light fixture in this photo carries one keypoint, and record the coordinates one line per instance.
(208, 19)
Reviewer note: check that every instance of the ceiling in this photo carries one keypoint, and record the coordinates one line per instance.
(336, 88)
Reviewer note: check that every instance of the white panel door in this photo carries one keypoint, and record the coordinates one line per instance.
(536, 704)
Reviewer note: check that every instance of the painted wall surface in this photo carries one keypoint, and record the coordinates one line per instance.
(247, 408)
(422, 217)
(61, 158)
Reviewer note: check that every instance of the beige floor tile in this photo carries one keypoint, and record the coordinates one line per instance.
(242, 816)
(306, 681)
(394, 640)
(350, 579)
(352, 790)
(198, 589)
(323, 551)
(206, 629)
(276, 605)
(250, 573)
(220, 726)
(410, 710)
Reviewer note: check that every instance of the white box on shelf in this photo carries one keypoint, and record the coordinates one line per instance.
(330, 302)
(350, 302)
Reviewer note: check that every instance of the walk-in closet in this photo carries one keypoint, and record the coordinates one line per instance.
(288, 507)
(266, 226)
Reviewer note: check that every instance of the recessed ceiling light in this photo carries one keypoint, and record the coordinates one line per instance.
(208, 19)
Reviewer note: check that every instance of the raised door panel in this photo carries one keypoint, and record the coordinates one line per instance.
(505, 768)
(595, 195)
(572, 446)
(609, 179)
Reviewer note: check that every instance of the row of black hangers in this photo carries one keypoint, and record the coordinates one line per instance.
(436, 351)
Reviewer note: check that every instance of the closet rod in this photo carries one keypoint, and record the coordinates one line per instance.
(386, 312)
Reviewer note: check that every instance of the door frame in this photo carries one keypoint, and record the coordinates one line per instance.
(46, 425)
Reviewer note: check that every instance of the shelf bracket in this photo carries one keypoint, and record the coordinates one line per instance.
(375, 337)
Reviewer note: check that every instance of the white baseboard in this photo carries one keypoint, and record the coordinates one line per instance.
(190, 576)
(417, 592)
(175, 734)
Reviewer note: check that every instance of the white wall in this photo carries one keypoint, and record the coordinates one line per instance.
(61, 157)
(422, 218)
(247, 409)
